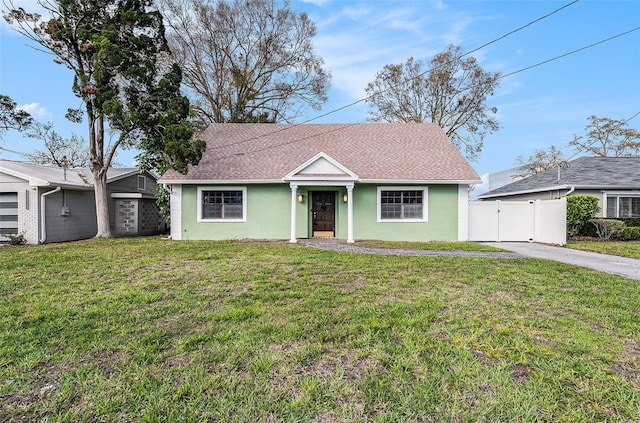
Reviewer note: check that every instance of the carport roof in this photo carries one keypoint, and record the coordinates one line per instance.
(43, 176)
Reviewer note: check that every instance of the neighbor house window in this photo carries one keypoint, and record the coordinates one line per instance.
(222, 204)
(623, 205)
(406, 204)
(142, 182)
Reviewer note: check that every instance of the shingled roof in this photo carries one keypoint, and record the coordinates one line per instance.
(372, 151)
(581, 173)
(40, 175)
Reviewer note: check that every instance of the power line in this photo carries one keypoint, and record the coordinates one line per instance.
(14, 152)
(571, 52)
(409, 79)
(456, 58)
(627, 121)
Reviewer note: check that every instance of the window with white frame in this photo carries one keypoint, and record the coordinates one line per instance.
(402, 204)
(224, 204)
(142, 182)
(621, 205)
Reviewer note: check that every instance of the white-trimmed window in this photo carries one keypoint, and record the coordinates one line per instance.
(402, 204)
(222, 204)
(623, 205)
(142, 182)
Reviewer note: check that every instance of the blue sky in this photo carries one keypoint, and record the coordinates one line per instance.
(537, 108)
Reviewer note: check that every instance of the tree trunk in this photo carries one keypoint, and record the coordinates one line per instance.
(102, 205)
(98, 170)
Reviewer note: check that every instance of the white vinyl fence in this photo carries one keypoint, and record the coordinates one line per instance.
(531, 221)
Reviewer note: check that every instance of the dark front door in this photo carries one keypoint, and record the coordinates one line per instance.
(323, 212)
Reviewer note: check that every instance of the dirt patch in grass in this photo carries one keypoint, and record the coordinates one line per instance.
(482, 357)
(520, 374)
(346, 364)
(323, 416)
(629, 369)
(500, 295)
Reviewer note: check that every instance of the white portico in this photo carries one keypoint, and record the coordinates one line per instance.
(322, 173)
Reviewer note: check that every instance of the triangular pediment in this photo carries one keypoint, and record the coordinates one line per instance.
(321, 166)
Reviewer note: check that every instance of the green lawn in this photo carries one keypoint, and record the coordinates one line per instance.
(151, 330)
(616, 248)
(441, 246)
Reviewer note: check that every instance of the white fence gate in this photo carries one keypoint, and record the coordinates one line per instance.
(532, 221)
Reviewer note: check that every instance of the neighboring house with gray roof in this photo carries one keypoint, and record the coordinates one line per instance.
(51, 204)
(348, 181)
(615, 181)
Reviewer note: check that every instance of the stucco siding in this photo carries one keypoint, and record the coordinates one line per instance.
(80, 223)
(268, 215)
(441, 224)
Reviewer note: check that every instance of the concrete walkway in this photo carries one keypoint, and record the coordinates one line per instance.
(627, 267)
(334, 245)
(614, 265)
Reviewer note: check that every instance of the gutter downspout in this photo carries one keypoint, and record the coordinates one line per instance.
(570, 191)
(43, 224)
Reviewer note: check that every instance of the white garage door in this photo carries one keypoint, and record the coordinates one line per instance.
(8, 214)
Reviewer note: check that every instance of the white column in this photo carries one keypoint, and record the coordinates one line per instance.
(294, 198)
(463, 212)
(176, 212)
(350, 214)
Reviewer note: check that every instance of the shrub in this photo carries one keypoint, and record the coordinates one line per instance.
(608, 228)
(588, 230)
(630, 233)
(16, 239)
(630, 221)
(580, 210)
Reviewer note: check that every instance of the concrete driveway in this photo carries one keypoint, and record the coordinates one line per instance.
(627, 267)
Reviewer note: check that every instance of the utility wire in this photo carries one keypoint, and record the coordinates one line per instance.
(14, 152)
(288, 127)
(570, 53)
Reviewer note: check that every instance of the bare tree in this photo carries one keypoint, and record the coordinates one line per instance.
(539, 161)
(59, 151)
(246, 60)
(608, 137)
(451, 91)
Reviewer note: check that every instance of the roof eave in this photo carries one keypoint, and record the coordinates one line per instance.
(525, 191)
(328, 179)
(558, 187)
(218, 181)
(422, 181)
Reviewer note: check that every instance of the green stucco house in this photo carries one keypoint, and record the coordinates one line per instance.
(347, 181)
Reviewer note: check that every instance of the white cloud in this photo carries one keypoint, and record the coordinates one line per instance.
(357, 40)
(36, 110)
(316, 2)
